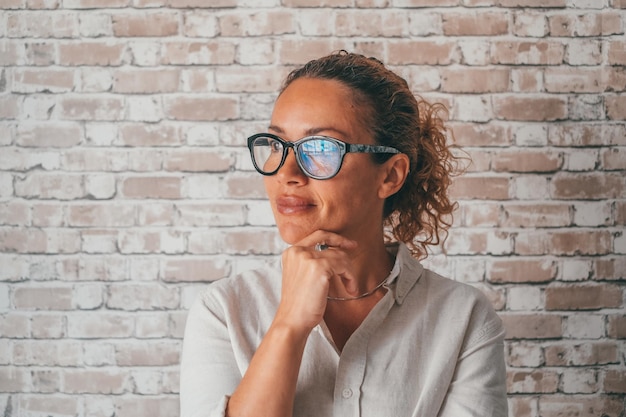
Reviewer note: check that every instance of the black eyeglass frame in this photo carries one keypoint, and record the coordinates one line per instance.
(344, 148)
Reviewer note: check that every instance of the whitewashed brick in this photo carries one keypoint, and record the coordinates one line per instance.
(575, 270)
(592, 214)
(531, 187)
(581, 160)
(524, 298)
(584, 326)
(100, 186)
(531, 135)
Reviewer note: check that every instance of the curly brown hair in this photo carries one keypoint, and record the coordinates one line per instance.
(420, 213)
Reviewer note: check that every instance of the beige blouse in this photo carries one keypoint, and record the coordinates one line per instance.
(430, 347)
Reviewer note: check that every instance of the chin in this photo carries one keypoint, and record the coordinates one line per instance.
(292, 234)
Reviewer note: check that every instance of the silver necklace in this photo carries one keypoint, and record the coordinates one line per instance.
(366, 294)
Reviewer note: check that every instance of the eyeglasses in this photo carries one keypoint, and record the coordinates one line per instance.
(319, 157)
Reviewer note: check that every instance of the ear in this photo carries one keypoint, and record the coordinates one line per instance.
(394, 171)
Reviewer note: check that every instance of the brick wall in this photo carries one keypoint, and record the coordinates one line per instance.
(125, 186)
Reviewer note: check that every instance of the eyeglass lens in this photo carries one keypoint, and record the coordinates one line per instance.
(318, 157)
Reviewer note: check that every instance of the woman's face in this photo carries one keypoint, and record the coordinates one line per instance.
(348, 203)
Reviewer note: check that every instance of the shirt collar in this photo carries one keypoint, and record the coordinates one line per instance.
(405, 273)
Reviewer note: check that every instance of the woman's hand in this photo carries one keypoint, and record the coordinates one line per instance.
(307, 275)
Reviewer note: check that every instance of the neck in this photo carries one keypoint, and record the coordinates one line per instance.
(372, 264)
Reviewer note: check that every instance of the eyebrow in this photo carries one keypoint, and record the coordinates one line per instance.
(313, 131)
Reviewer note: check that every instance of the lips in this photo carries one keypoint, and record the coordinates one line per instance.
(293, 205)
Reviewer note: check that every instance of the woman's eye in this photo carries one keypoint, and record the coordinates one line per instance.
(276, 146)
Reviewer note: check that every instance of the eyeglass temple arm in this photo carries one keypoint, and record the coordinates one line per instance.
(370, 148)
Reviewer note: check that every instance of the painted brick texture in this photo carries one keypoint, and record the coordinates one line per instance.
(126, 187)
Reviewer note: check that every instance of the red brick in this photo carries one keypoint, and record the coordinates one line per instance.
(12, 4)
(132, 297)
(616, 78)
(236, 242)
(483, 188)
(475, 80)
(156, 214)
(540, 381)
(588, 353)
(155, 406)
(198, 160)
(586, 406)
(523, 406)
(95, 4)
(202, 109)
(521, 270)
(151, 187)
(48, 326)
(586, 134)
(536, 215)
(90, 325)
(536, 108)
(10, 106)
(479, 214)
(146, 24)
(42, 25)
(532, 326)
(615, 381)
(588, 24)
(592, 242)
(148, 353)
(50, 186)
(150, 135)
(186, 4)
(43, 298)
(248, 79)
(617, 52)
(93, 53)
(371, 23)
(146, 81)
(476, 24)
(23, 240)
(610, 269)
(616, 107)
(15, 213)
(276, 22)
(43, 80)
(421, 53)
(533, 3)
(591, 186)
(473, 134)
(527, 52)
(195, 270)
(14, 325)
(198, 53)
(574, 80)
(583, 297)
(96, 381)
(101, 215)
(92, 108)
(526, 160)
(616, 326)
(245, 185)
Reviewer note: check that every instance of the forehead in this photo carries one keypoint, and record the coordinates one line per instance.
(316, 105)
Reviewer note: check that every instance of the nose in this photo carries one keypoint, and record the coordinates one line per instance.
(290, 172)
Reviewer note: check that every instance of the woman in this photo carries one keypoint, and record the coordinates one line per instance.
(348, 323)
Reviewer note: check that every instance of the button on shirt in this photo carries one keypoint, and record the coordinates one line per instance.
(430, 347)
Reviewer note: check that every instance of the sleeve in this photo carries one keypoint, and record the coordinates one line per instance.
(478, 387)
(208, 370)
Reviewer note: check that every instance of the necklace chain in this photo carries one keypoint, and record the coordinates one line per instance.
(365, 294)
